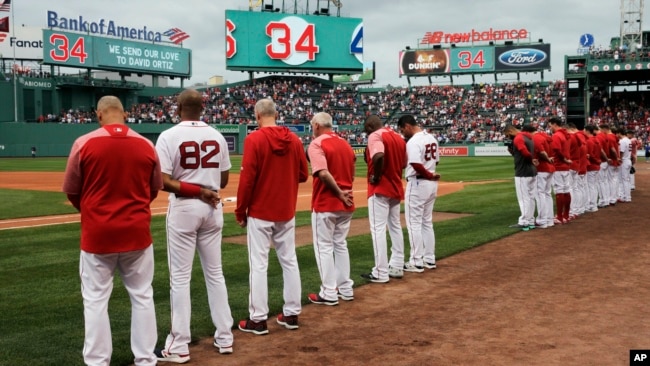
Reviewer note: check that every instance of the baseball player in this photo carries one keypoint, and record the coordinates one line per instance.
(420, 196)
(560, 147)
(594, 155)
(614, 168)
(273, 164)
(575, 152)
(195, 166)
(545, 170)
(625, 147)
(115, 229)
(332, 161)
(525, 175)
(634, 147)
(386, 159)
(604, 190)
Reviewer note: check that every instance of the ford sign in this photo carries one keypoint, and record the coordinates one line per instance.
(522, 57)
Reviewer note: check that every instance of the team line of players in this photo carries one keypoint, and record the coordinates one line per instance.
(274, 157)
(586, 169)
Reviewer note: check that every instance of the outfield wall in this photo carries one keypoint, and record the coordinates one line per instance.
(54, 139)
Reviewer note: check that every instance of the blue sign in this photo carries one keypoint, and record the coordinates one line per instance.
(523, 58)
(296, 128)
(586, 40)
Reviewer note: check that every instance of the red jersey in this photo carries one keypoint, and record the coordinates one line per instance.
(542, 143)
(613, 145)
(574, 151)
(604, 143)
(560, 146)
(593, 149)
(387, 141)
(117, 174)
(273, 165)
(332, 153)
(582, 162)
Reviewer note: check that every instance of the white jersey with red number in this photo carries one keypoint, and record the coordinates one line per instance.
(422, 148)
(625, 147)
(194, 152)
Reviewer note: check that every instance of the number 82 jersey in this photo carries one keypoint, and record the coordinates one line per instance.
(194, 152)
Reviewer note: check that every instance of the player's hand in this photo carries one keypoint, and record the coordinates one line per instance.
(210, 197)
(372, 180)
(535, 162)
(347, 197)
(436, 176)
(242, 223)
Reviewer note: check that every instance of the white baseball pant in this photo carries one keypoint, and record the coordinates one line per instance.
(419, 199)
(136, 270)
(562, 181)
(592, 190)
(193, 225)
(330, 230)
(544, 198)
(603, 185)
(261, 234)
(575, 193)
(384, 211)
(525, 188)
(625, 185)
(613, 175)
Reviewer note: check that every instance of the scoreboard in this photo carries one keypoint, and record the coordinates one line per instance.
(475, 60)
(266, 41)
(113, 54)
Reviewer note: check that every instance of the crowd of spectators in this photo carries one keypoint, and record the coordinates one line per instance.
(456, 114)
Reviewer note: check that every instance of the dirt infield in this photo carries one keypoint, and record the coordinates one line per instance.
(49, 181)
(574, 294)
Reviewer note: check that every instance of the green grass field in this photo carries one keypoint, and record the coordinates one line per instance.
(43, 321)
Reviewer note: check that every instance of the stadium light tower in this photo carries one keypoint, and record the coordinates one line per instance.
(631, 23)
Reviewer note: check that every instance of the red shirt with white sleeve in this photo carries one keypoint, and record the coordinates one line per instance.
(387, 141)
(332, 153)
(116, 173)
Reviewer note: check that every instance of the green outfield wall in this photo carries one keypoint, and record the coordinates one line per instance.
(54, 139)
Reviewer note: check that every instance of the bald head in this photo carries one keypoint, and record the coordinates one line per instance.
(110, 110)
(190, 105)
(372, 124)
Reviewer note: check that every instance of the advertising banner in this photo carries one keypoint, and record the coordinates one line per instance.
(28, 42)
(454, 151)
(112, 54)
(424, 62)
(523, 58)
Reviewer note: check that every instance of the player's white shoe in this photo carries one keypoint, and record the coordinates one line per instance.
(410, 267)
(395, 272)
(164, 356)
(430, 265)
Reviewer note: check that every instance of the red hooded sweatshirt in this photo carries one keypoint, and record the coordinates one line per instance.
(273, 164)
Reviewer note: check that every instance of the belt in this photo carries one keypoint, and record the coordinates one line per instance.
(191, 198)
(408, 179)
